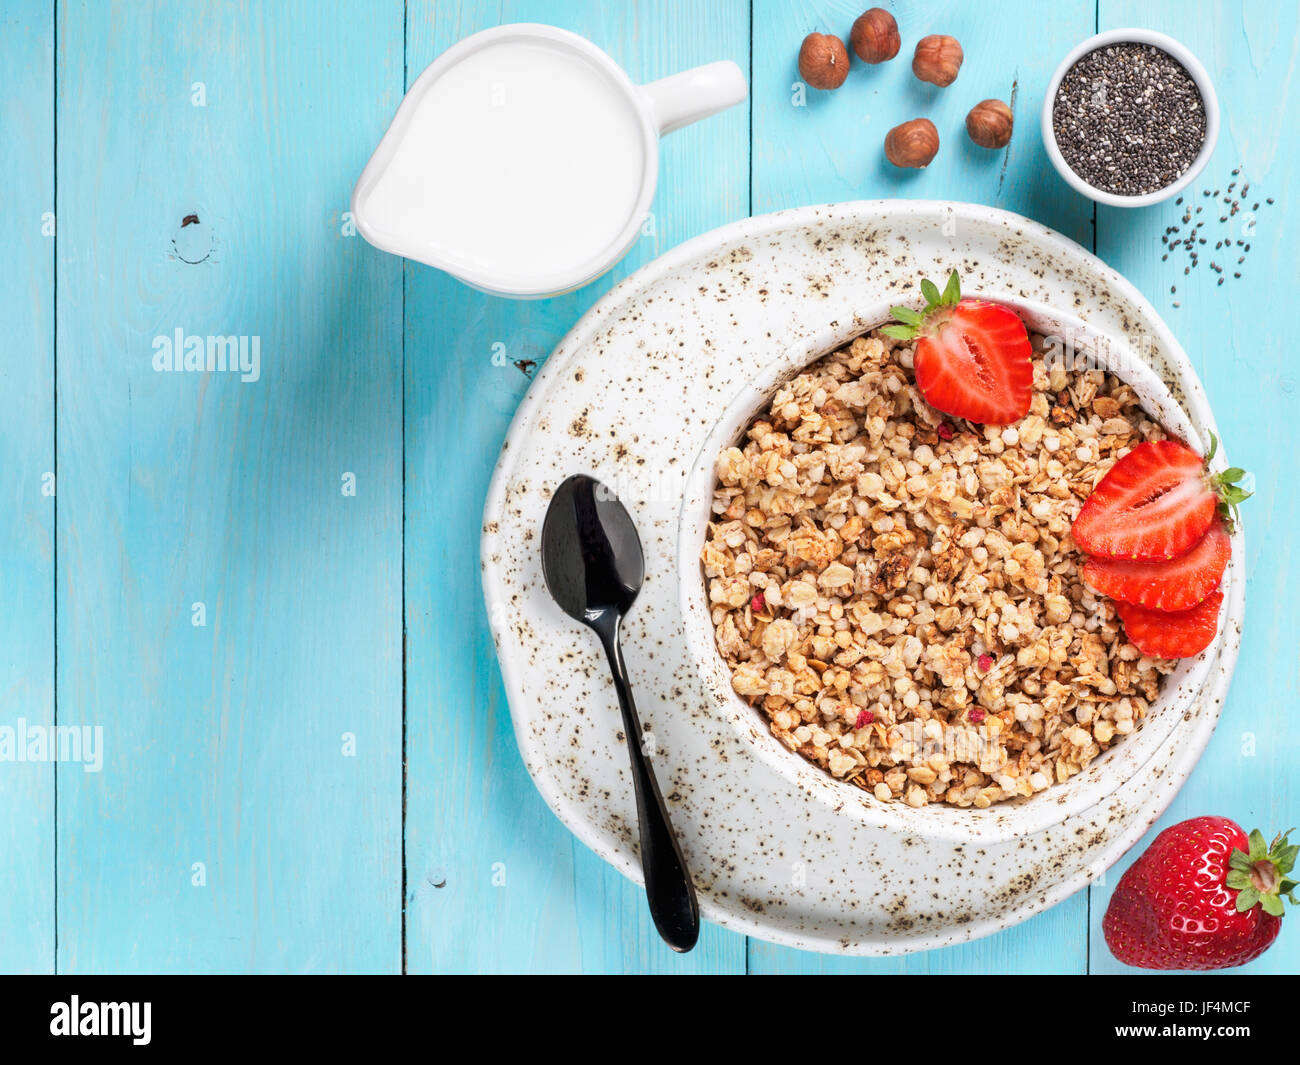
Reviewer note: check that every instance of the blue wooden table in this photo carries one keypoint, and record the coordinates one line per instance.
(262, 595)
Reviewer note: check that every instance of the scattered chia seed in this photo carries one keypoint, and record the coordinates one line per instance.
(1128, 119)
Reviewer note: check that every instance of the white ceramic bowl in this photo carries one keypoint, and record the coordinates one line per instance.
(1108, 773)
(1188, 61)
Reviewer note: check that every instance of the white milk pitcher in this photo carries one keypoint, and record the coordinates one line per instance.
(523, 161)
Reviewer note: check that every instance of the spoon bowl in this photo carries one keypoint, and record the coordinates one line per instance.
(591, 553)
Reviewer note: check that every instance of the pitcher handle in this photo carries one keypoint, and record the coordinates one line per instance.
(680, 99)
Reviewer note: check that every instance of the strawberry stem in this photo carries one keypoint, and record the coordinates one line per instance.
(1262, 876)
(912, 321)
(1224, 485)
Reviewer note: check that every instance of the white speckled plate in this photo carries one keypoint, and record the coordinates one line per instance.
(629, 396)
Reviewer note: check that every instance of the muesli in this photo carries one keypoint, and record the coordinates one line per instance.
(898, 592)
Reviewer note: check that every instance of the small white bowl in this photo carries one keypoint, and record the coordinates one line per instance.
(1189, 63)
(1105, 776)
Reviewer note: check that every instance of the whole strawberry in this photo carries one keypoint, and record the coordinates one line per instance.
(1203, 896)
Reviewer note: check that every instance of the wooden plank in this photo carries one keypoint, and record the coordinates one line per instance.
(26, 463)
(1236, 338)
(832, 149)
(248, 813)
(518, 893)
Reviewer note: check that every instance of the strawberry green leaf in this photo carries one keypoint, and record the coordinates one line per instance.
(952, 290)
(1214, 449)
(912, 320)
(1260, 877)
(1258, 846)
(1225, 486)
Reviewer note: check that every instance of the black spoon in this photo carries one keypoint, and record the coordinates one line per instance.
(591, 556)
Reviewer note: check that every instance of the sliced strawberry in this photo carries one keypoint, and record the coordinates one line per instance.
(1155, 503)
(1175, 584)
(973, 358)
(1162, 634)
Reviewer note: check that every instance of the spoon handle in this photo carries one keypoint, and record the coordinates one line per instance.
(668, 887)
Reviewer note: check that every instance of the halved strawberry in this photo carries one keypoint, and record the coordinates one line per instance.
(1175, 584)
(1162, 634)
(972, 357)
(1155, 503)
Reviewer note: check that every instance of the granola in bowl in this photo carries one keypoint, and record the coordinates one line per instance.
(897, 591)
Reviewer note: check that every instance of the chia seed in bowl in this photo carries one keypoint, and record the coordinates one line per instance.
(1130, 118)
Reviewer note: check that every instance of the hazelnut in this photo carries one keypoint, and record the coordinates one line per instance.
(823, 61)
(937, 59)
(875, 36)
(989, 124)
(912, 144)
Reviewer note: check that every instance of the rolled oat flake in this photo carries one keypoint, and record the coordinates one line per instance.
(1128, 119)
